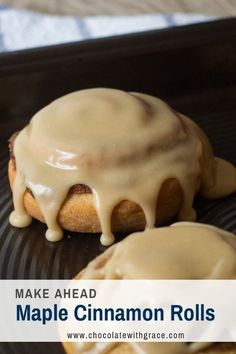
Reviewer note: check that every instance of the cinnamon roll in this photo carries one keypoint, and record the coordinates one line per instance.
(105, 160)
(180, 253)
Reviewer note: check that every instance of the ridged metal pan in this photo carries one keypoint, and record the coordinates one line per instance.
(25, 253)
(202, 84)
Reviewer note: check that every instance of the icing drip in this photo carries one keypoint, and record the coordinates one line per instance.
(124, 146)
(177, 252)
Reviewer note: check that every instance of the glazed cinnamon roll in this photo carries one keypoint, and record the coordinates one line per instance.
(104, 160)
(180, 253)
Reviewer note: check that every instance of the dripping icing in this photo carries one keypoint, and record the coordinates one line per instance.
(124, 146)
(176, 252)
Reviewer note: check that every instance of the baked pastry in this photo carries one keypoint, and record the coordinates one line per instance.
(104, 160)
(175, 252)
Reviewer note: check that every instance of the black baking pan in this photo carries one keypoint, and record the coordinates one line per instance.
(192, 67)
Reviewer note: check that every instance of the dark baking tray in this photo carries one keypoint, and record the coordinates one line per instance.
(192, 67)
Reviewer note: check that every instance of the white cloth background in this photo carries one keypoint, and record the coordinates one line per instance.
(21, 29)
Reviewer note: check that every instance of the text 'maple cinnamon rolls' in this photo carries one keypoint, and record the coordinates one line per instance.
(182, 251)
(104, 160)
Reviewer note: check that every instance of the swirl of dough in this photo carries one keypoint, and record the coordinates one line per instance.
(124, 147)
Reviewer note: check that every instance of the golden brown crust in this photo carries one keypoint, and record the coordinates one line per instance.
(78, 212)
(125, 348)
(121, 348)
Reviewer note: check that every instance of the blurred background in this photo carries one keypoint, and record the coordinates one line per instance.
(33, 23)
(114, 7)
